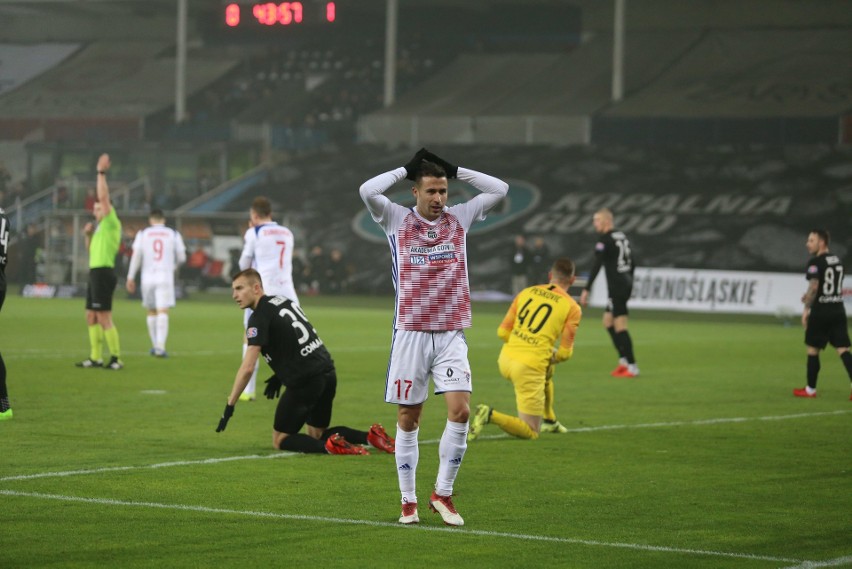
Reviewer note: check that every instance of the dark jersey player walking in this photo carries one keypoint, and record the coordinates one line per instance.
(612, 251)
(824, 316)
(5, 408)
(280, 331)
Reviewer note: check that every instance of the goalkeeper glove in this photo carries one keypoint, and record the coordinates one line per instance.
(451, 169)
(412, 168)
(273, 387)
(227, 414)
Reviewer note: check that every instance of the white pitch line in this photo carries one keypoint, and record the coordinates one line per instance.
(372, 523)
(836, 562)
(425, 442)
(147, 466)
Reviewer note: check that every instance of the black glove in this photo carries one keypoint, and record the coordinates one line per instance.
(413, 166)
(227, 414)
(451, 169)
(273, 387)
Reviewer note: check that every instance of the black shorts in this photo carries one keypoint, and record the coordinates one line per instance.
(308, 403)
(102, 283)
(2, 297)
(825, 328)
(617, 304)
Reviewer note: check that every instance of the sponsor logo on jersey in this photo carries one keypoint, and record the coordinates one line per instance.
(417, 260)
(442, 258)
(251, 332)
(442, 248)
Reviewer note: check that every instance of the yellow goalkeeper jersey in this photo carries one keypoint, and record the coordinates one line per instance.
(542, 318)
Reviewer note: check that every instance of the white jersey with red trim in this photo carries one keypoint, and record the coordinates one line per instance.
(268, 248)
(159, 250)
(430, 257)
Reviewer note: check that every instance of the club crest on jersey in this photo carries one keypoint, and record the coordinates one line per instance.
(432, 234)
(599, 246)
(251, 332)
(813, 269)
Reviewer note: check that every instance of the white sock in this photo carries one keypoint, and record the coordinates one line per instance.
(810, 390)
(633, 368)
(450, 454)
(162, 330)
(152, 329)
(407, 455)
(622, 361)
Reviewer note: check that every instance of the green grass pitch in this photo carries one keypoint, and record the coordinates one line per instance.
(706, 460)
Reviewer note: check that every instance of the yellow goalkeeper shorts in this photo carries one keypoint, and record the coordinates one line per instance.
(528, 382)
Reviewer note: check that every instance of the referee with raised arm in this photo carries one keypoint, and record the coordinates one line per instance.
(103, 239)
(612, 251)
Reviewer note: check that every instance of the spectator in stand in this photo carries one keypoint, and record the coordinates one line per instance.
(539, 261)
(299, 272)
(336, 272)
(194, 268)
(316, 268)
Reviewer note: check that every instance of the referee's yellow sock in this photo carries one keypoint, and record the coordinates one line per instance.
(113, 344)
(515, 426)
(549, 413)
(96, 342)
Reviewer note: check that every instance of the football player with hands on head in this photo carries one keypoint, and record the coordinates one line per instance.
(280, 331)
(159, 250)
(538, 331)
(428, 245)
(823, 316)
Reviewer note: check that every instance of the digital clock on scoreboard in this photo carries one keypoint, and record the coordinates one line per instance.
(243, 15)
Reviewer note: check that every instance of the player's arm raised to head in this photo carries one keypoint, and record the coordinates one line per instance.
(103, 187)
(493, 189)
(244, 373)
(372, 192)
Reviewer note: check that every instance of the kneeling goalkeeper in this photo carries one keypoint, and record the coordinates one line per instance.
(280, 331)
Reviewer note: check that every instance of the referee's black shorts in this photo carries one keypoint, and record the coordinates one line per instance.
(825, 328)
(309, 403)
(102, 281)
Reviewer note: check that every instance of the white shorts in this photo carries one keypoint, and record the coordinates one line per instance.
(416, 355)
(158, 296)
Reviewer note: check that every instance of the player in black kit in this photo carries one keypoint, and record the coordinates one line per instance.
(824, 316)
(5, 408)
(612, 251)
(280, 331)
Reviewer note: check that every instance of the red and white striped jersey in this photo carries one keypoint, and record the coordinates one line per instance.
(430, 257)
(159, 250)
